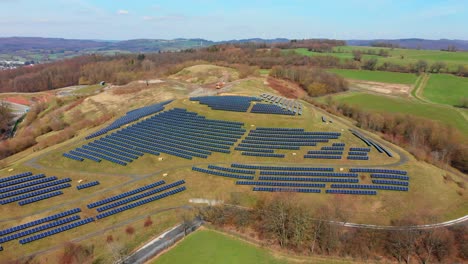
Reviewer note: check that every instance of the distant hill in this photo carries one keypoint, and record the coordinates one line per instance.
(40, 50)
(415, 43)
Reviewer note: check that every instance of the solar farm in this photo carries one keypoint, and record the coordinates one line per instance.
(162, 155)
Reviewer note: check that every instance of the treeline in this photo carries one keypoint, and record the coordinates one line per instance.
(5, 117)
(284, 222)
(426, 139)
(315, 81)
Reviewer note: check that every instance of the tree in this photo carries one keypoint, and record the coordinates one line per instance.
(130, 230)
(357, 55)
(420, 66)
(437, 66)
(370, 64)
(5, 116)
(148, 222)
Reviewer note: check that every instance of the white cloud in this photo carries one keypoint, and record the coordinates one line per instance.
(122, 12)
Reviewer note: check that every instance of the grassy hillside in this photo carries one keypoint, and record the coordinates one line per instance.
(405, 106)
(376, 76)
(446, 89)
(206, 74)
(397, 56)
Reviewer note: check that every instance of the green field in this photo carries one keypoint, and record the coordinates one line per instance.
(383, 104)
(397, 56)
(207, 246)
(446, 89)
(377, 76)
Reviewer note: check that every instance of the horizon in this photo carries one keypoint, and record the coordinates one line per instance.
(216, 21)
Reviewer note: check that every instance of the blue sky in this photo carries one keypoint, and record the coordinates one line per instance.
(221, 20)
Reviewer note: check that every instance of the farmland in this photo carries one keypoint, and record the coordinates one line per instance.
(384, 104)
(446, 89)
(397, 56)
(376, 76)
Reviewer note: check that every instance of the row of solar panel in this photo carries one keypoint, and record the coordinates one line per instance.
(139, 196)
(357, 157)
(111, 147)
(259, 154)
(56, 230)
(142, 202)
(290, 139)
(273, 133)
(27, 184)
(325, 152)
(34, 187)
(389, 176)
(125, 194)
(357, 153)
(118, 154)
(286, 129)
(370, 186)
(332, 148)
(273, 189)
(260, 108)
(73, 157)
(39, 221)
(360, 149)
(339, 144)
(372, 170)
(39, 228)
(227, 103)
(231, 169)
(266, 146)
(271, 137)
(14, 177)
(285, 184)
(273, 178)
(39, 198)
(302, 173)
(224, 174)
(404, 183)
(20, 180)
(114, 139)
(283, 168)
(359, 192)
(281, 101)
(284, 142)
(36, 193)
(370, 142)
(254, 150)
(87, 185)
(307, 156)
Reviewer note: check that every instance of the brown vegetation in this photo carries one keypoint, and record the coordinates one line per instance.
(315, 81)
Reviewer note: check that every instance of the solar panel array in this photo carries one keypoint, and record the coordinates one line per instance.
(140, 202)
(260, 108)
(175, 132)
(263, 141)
(370, 142)
(87, 185)
(307, 179)
(46, 223)
(26, 188)
(372, 170)
(56, 230)
(131, 116)
(226, 103)
(287, 104)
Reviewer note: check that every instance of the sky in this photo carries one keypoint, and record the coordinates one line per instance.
(236, 19)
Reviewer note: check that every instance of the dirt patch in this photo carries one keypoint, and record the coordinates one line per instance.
(286, 89)
(384, 88)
